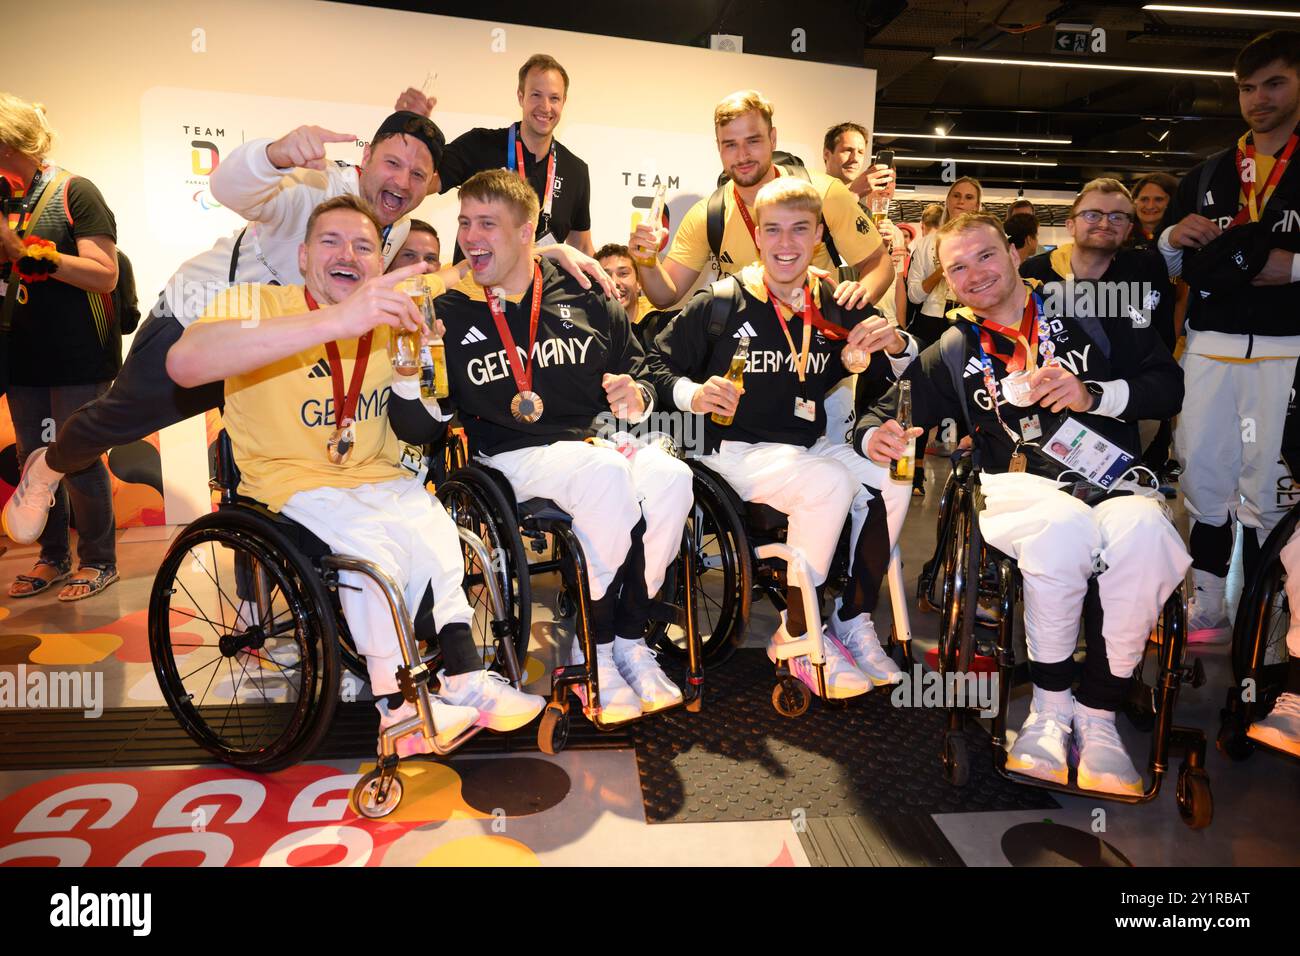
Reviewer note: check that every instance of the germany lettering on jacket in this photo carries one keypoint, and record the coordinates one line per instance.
(581, 335)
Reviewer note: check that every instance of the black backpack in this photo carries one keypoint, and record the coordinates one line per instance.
(727, 299)
(125, 304)
(715, 211)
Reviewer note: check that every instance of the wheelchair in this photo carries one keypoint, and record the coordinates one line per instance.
(1259, 653)
(480, 500)
(980, 588)
(739, 550)
(249, 644)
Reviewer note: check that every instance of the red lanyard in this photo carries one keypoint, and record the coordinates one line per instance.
(810, 314)
(523, 376)
(744, 213)
(550, 173)
(345, 409)
(1247, 161)
(1023, 337)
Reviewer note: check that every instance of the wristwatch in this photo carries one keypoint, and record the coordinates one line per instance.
(1096, 391)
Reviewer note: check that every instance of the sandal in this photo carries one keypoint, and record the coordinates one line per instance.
(102, 579)
(39, 584)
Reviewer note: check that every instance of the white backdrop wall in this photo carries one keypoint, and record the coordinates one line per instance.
(159, 91)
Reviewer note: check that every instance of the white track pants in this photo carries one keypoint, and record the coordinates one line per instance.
(817, 487)
(1290, 555)
(1229, 440)
(607, 494)
(1057, 540)
(402, 528)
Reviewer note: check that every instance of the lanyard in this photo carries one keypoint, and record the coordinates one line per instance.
(744, 213)
(344, 408)
(991, 386)
(515, 162)
(800, 356)
(1033, 327)
(1245, 161)
(523, 376)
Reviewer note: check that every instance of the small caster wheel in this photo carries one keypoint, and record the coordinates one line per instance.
(564, 604)
(791, 697)
(1195, 802)
(1233, 742)
(371, 802)
(899, 656)
(553, 733)
(956, 758)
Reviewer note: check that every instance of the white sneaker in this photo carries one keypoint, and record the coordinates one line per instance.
(29, 506)
(449, 722)
(638, 666)
(618, 701)
(1040, 747)
(843, 679)
(1281, 728)
(1104, 764)
(500, 706)
(857, 638)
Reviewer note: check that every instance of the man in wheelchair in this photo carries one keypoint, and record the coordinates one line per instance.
(536, 364)
(774, 451)
(1073, 415)
(317, 447)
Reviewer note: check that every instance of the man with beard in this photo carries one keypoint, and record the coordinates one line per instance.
(1124, 373)
(1242, 336)
(1096, 275)
(746, 138)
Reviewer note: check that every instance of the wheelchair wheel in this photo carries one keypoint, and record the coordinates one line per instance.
(243, 640)
(1270, 612)
(724, 574)
(1232, 740)
(370, 802)
(553, 732)
(1195, 802)
(475, 502)
(956, 758)
(954, 591)
(791, 697)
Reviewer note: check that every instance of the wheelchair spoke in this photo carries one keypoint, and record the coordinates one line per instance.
(211, 678)
(184, 677)
(200, 617)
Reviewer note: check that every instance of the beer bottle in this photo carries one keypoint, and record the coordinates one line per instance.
(433, 359)
(735, 375)
(902, 469)
(655, 218)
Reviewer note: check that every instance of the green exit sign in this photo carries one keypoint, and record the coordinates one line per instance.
(1079, 38)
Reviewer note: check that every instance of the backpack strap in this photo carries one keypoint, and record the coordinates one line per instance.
(48, 192)
(724, 302)
(952, 349)
(715, 221)
(1208, 170)
(234, 255)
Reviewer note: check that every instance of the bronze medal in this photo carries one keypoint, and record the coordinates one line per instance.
(526, 406)
(1018, 462)
(341, 442)
(339, 446)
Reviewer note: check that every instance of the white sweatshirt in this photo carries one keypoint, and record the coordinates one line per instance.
(276, 202)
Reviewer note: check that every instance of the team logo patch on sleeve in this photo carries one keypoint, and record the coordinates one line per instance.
(863, 226)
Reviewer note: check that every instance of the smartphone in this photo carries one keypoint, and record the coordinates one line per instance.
(885, 158)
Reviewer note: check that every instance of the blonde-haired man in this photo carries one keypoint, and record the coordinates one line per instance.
(774, 451)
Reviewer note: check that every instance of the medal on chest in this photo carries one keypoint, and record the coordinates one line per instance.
(342, 441)
(527, 405)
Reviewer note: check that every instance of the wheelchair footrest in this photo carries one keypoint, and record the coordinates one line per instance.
(410, 678)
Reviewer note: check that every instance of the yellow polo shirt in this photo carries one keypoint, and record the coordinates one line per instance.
(280, 416)
(855, 236)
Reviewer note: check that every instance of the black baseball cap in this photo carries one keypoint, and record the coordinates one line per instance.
(1230, 260)
(420, 127)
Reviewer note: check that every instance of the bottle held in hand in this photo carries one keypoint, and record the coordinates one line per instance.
(735, 375)
(902, 468)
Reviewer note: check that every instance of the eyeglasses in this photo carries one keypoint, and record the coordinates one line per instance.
(1094, 216)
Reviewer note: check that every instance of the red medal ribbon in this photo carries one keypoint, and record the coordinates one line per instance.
(344, 408)
(1023, 337)
(811, 314)
(1250, 210)
(523, 376)
(744, 213)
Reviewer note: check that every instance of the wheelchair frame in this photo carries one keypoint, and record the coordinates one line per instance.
(1254, 632)
(249, 524)
(968, 559)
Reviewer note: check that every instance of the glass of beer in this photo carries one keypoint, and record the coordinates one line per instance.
(404, 346)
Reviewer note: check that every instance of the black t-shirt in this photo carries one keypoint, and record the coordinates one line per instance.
(63, 335)
(481, 149)
(581, 335)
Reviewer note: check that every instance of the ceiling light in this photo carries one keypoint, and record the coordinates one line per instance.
(913, 158)
(1078, 65)
(1233, 11)
(986, 139)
